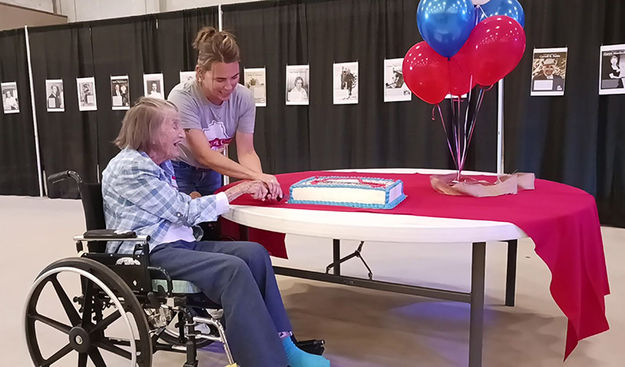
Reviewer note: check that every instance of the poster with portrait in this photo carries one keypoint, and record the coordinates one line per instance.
(187, 76)
(297, 87)
(86, 94)
(153, 86)
(55, 100)
(612, 69)
(10, 103)
(345, 83)
(395, 89)
(120, 92)
(254, 79)
(548, 71)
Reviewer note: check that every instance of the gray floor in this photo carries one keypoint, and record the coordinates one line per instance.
(362, 328)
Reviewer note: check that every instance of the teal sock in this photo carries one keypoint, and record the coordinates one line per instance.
(299, 358)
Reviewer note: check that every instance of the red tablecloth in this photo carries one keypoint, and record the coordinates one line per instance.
(561, 220)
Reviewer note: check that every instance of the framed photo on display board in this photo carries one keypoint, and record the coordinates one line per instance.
(55, 100)
(120, 92)
(297, 87)
(549, 71)
(254, 79)
(612, 69)
(186, 76)
(395, 89)
(345, 83)
(86, 94)
(10, 102)
(153, 86)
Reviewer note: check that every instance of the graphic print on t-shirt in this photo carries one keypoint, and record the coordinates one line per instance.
(216, 135)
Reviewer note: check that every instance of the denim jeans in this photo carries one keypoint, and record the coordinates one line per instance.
(189, 179)
(239, 277)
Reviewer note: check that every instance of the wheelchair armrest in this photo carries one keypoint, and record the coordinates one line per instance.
(105, 235)
(60, 176)
(111, 234)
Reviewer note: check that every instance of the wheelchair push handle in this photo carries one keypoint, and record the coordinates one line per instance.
(64, 175)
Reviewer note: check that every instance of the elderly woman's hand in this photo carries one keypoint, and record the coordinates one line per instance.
(256, 188)
(275, 191)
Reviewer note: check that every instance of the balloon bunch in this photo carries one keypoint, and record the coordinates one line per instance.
(467, 43)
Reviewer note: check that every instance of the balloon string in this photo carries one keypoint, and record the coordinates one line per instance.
(445, 130)
(480, 99)
(459, 135)
(489, 88)
(454, 129)
(466, 116)
(479, 7)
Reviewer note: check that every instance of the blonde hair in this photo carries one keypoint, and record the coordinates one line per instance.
(141, 123)
(214, 46)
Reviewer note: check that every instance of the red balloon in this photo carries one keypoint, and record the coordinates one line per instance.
(497, 44)
(461, 79)
(426, 73)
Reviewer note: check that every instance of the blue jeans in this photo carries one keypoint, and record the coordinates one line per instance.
(189, 179)
(238, 276)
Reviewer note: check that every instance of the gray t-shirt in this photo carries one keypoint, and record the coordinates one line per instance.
(219, 123)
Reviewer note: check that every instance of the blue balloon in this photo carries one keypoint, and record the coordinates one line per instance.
(511, 8)
(446, 24)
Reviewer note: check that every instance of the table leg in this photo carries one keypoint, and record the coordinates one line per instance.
(511, 272)
(476, 324)
(336, 256)
(243, 233)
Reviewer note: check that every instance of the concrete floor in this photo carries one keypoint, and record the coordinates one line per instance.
(362, 328)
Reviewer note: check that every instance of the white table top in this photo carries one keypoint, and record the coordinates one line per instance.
(380, 227)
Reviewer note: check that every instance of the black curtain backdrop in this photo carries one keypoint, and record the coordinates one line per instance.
(575, 139)
(159, 43)
(611, 131)
(175, 33)
(18, 160)
(68, 139)
(273, 34)
(121, 47)
(82, 141)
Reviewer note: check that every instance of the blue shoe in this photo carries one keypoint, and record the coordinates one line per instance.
(298, 358)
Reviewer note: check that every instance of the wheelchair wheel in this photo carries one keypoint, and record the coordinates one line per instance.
(109, 326)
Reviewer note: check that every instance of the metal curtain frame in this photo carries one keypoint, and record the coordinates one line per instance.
(33, 106)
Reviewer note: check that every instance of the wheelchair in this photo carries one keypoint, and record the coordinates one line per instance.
(127, 309)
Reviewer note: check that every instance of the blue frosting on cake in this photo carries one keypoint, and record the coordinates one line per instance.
(383, 184)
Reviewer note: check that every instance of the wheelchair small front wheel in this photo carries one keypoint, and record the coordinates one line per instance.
(171, 335)
(108, 327)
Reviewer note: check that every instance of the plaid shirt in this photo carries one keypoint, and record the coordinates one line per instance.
(143, 197)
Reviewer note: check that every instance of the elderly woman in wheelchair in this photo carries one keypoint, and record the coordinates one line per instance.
(141, 201)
